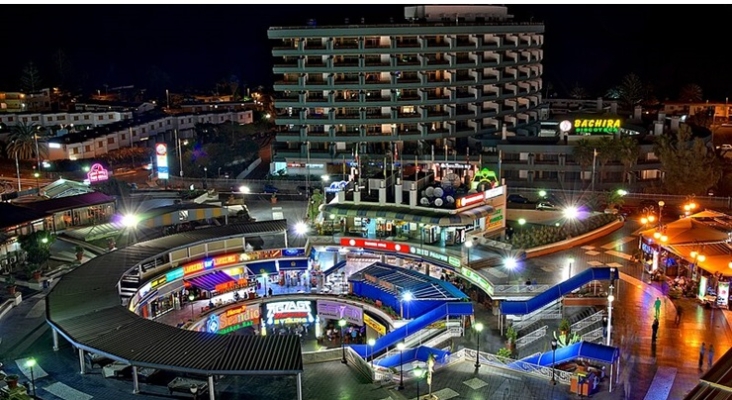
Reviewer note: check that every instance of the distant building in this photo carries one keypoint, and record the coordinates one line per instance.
(422, 90)
(121, 106)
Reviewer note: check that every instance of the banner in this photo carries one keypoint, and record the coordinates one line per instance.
(336, 311)
(374, 324)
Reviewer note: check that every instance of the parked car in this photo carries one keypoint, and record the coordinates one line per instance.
(517, 198)
(302, 190)
(270, 189)
(545, 205)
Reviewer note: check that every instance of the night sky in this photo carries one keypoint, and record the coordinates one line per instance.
(594, 46)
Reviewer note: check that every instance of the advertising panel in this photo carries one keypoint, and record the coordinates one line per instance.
(289, 312)
(376, 245)
(601, 125)
(477, 280)
(702, 287)
(161, 158)
(97, 173)
(374, 324)
(723, 294)
(233, 319)
(336, 311)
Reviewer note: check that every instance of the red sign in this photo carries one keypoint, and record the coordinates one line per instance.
(468, 200)
(376, 245)
(97, 173)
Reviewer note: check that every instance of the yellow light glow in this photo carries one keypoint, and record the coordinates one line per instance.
(644, 220)
(651, 218)
(664, 238)
(701, 258)
(657, 235)
(692, 205)
(693, 254)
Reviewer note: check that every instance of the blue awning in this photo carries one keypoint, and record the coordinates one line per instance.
(256, 268)
(209, 282)
(294, 264)
(557, 291)
(588, 350)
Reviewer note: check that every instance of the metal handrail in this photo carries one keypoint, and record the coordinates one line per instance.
(584, 323)
(531, 337)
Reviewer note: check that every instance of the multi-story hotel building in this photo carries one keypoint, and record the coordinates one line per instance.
(423, 87)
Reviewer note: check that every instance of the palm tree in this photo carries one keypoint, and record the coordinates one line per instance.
(632, 91)
(22, 141)
(691, 93)
(583, 154)
(578, 92)
(628, 152)
(607, 151)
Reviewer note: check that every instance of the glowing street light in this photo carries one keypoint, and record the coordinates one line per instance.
(542, 193)
(130, 220)
(479, 329)
(622, 192)
(244, 189)
(407, 296)
(571, 212)
(325, 178)
(301, 228)
(30, 363)
(522, 221)
(510, 263)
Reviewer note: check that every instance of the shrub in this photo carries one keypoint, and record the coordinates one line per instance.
(542, 235)
(504, 352)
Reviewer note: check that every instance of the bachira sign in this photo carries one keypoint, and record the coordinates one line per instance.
(596, 125)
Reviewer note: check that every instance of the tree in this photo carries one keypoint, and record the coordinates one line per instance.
(22, 141)
(64, 69)
(632, 91)
(583, 155)
(578, 92)
(691, 93)
(30, 78)
(689, 166)
(628, 152)
(613, 93)
(607, 151)
(37, 245)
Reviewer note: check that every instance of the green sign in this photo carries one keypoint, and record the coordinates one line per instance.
(454, 261)
(477, 280)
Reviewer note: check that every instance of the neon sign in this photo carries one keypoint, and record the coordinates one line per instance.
(233, 319)
(376, 245)
(333, 310)
(596, 125)
(289, 312)
(161, 156)
(97, 173)
(468, 200)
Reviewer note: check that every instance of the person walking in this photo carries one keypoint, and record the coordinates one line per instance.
(679, 312)
(655, 329)
(711, 355)
(657, 306)
(701, 355)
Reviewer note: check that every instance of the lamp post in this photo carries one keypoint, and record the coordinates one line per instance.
(407, 296)
(400, 347)
(342, 324)
(660, 211)
(554, 360)
(418, 374)
(194, 391)
(468, 245)
(371, 343)
(571, 261)
(191, 297)
(479, 329)
(610, 300)
(38, 185)
(17, 170)
(38, 154)
(30, 363)
(264, 278)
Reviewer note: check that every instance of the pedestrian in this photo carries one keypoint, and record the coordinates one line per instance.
(711, 355)
(269, 291)
(701, 355)
(655, 329)
(657, 306)
(679, 312)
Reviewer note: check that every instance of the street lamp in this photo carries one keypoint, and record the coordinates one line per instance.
(418, 373)
(371, 343)
(479, 329)
(407, 296)
(660, 211)
(342, 324)
(38, 185)
(325, 178)
(30, 363)
(191, 297)
(571, 212)
(610, 300)
(400, 347)
(522, 221)
(194, 391)
(468, 245)
(571, 261)
(301, 228)
(554, 359)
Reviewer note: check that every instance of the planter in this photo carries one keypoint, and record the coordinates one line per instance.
(12, 381)
(11, 290)
(274, 200)
(79, 256)
(36, 276)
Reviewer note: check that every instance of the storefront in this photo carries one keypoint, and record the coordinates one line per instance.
(435, 221)
(232, 319)
(79, 210)
(329, 315)
(281, 315)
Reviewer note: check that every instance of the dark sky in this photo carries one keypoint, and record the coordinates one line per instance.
(198, 45)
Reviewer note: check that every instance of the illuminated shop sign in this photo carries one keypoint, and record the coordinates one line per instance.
(260, 255)
(452, 261)
(297, 252)
(289, 312)
(210, 263)
(336, 311)
(477, 280)
(470, 199)
(376, 245)
(232, 319)
(161, 157)
(596, 125)
(493, 193)
(97, 173)
(374, 324)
